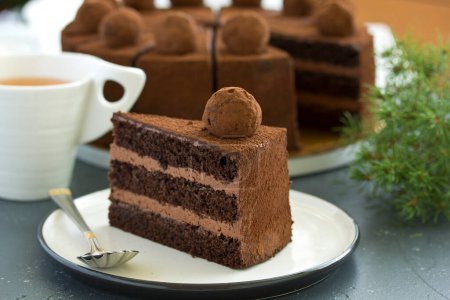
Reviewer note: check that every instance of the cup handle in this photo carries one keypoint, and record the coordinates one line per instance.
(98, 113)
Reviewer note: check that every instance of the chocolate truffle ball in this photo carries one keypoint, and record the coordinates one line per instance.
(245, 33)
(248, 3)
(90, 14)
(120, 28)
(231, 113)
(187, 2)
(140, 4)
(176, 34)
(298, 7)
(335, 18)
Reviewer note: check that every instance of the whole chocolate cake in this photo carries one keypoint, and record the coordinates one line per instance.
(318, 65)
(217, 189)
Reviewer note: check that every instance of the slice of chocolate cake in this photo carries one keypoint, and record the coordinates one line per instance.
(219, 193)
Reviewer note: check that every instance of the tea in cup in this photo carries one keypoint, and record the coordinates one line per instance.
(50, 104)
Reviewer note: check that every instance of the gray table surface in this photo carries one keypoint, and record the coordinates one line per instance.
(392, 261)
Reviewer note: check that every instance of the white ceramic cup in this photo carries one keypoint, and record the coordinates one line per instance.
(41, 126)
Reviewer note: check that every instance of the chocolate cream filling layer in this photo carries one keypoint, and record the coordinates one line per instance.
(322, 67)
(176, 212)
(152, 165)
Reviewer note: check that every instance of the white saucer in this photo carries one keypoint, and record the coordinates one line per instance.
(323, 236)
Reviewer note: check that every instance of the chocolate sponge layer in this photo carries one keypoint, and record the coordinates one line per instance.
(317, 117)
(181, 236)
(343, 55)
(202, 199)
(169, 150)
(328, 84)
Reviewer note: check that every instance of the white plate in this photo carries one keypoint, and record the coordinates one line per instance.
(323, 236)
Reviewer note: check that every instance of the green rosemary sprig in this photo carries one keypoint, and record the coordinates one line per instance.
(406, 159)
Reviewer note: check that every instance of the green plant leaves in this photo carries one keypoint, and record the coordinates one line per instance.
(407, 156)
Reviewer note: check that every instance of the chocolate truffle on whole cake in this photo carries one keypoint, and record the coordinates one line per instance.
(120, 37)
(176, 34)
(335, 18)
(120, 28)
(84, 27)
(245, 33)
(224, 199)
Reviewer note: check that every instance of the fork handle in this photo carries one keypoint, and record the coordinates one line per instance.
(63, 198)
